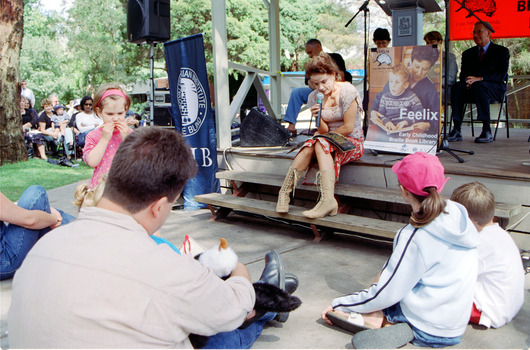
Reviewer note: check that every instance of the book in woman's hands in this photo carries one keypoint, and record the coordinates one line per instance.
(338, 140)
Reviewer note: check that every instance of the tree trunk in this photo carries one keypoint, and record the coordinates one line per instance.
(12, 147)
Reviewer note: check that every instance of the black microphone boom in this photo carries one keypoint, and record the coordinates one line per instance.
(363, 7)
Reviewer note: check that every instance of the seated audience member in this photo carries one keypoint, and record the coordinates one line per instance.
(86, 120)
(424, 291)
(483, 75)
(61, 120)
(499, 292)
(436, 38)
(132, 119)
(69, 108)
(299, 96)
(381, 38)
(54, 99)
(30, 128)
(76, 109)
(60, 117)
(46, 126)
(116, 286)
(22, 224)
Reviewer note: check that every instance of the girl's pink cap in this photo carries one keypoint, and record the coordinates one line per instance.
(418, 171)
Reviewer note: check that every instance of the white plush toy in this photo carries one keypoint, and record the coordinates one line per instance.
(220, 259)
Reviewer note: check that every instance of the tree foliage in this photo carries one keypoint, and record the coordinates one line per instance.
(71, 52)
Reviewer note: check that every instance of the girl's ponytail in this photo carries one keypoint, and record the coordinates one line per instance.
(431, 206)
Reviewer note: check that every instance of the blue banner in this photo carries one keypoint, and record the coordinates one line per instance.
(192, 112)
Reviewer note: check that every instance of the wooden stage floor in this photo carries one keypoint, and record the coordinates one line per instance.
(500, 165)
(504, 158)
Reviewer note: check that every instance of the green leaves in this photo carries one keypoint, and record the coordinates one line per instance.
(72, 52)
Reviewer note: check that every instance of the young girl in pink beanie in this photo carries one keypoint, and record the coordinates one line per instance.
(424, 292)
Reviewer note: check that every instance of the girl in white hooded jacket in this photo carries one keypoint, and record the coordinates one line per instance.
(427, 284)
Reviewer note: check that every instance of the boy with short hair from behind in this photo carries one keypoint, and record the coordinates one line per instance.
(499, 292)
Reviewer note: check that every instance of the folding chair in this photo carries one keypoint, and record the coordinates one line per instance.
(503, 105)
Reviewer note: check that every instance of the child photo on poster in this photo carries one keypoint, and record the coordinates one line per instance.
(404, 108)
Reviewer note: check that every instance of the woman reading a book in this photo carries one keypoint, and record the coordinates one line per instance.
(341, 118)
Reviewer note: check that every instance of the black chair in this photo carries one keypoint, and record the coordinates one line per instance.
(503, 105)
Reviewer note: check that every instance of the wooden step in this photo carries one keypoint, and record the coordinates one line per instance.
(340, 222)
(390, 195)
(358, 191)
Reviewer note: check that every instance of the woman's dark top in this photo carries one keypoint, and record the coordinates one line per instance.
(43, 118)
(30, 116)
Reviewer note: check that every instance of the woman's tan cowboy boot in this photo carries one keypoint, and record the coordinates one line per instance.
(293, 175)
(327, 203)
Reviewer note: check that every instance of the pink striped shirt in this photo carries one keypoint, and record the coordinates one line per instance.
(103, 167)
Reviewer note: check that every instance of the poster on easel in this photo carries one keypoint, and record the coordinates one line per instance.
(404, 99)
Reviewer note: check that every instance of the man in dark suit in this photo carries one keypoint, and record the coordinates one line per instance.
(483, 77)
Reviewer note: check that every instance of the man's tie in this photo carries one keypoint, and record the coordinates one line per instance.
(480, 54)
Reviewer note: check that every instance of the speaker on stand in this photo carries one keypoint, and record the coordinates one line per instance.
(148, 22)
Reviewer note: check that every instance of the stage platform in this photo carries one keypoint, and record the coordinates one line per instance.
(503, 166)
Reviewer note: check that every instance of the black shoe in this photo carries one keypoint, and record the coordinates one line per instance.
(67, 162)
(291, 283)
(274, 272)
(454, 135)
(485, 137)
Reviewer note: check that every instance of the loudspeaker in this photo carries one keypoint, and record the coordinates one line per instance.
(259, 130)
(148, 21)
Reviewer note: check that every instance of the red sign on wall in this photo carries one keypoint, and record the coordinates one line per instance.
(509, 18)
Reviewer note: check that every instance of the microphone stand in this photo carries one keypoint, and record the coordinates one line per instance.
(364, 7)
(444, 146)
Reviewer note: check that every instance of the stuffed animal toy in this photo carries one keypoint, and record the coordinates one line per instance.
(222, 259)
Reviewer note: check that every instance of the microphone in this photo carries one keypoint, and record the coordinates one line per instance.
(320, 98)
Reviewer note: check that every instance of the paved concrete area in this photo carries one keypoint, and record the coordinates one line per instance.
(337, 265)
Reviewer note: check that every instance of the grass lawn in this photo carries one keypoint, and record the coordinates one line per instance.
(16, 177)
